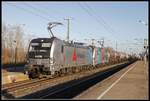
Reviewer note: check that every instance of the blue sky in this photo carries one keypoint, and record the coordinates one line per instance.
(113, 21)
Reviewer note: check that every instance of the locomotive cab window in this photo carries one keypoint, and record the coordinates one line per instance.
(39, 50)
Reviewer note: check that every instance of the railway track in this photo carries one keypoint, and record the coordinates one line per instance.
(15, 84)
(51, 87)
(19, 88)
(74, 87)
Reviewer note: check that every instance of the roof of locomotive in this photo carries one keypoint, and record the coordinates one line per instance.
(43, 40)
(49, 40)
(75, 44)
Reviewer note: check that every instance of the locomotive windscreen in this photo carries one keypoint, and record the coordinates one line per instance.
(40, 48)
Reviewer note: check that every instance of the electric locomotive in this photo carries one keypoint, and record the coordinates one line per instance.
(51, 56)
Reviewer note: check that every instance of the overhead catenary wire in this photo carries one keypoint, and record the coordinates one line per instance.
(98, 16)
(106, 25)
(38, 10)
(29, 11)
(93, 16)
(44, 10)
(88, 12)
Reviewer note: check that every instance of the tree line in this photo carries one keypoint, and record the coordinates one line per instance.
(14, 46)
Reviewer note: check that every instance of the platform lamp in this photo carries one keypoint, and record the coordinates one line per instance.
(146, 47)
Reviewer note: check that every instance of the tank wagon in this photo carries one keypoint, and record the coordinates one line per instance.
(100, 56)
(53, 56)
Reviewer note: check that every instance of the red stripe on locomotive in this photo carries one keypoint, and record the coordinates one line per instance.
(74, 56)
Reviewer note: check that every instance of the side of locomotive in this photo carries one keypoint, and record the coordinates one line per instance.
(62, 57)
(68, 56)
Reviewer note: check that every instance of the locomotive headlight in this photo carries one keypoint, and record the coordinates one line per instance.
(27, 61)
(31, 65)
(26, 72)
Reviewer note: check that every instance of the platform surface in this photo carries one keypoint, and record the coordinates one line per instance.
(133, 85)
(128, 84)
(10, 75)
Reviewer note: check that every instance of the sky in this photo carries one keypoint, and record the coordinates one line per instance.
(116, 22)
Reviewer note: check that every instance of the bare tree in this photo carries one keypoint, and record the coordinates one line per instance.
(19, 43)
(12, 37)
(4, 44)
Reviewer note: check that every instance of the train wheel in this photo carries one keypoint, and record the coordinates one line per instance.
(56, 74)
(34, 74)
(30, 75)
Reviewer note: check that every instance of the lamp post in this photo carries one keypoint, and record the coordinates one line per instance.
(145, 41)
(15, 53)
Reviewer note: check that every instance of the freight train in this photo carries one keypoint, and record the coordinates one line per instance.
(53, 56)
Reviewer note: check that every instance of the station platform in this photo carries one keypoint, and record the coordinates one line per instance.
(128, 84)
(10, 76)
